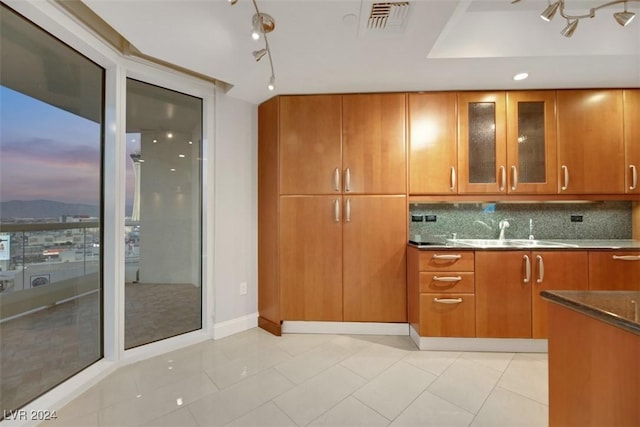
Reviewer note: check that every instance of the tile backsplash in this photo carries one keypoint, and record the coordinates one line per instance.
(600, 220)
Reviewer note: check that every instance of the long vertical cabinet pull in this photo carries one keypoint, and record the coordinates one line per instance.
(336, 179)
(453, 179)
(347, 211)
(634, 177)
(527, 269)
(540, 269)
(336, 210)
(503, 178)
(565, 171)
(347, 179)
(514, 177)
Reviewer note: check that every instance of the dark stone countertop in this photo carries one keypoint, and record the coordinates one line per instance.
(617, 308)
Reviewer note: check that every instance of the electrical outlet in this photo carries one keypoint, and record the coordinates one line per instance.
(243, 288)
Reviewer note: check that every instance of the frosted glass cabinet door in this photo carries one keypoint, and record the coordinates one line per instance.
(531, 142)
(482, 143)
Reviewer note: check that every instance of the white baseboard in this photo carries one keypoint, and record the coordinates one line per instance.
(354, 328)
(234, 326)
(511, 345)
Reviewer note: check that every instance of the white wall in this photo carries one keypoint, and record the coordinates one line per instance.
(236, 208)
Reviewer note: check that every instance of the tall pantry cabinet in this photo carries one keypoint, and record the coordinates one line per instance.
(332, 171)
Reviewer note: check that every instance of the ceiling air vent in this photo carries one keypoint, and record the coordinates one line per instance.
(388, 16)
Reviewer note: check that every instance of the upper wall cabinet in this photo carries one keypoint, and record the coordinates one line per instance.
(310, 144)
(433, 154)
(531, 142)
(632, 139)
(373, 144)
(507, 142)
(590, 142)
(481, 143)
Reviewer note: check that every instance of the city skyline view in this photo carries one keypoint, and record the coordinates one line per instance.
(56, 159)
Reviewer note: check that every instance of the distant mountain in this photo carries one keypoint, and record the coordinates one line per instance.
(44, 209)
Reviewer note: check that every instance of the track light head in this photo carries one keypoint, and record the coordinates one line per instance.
(232, 2)
(570, 28)
(262, 23)
(550, 11)
(624, 18)
(258, 54)
(272, 83)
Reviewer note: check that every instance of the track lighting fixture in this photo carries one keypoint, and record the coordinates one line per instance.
(261, 24)
(622, 18)
(548, 13)
(570, 28)
(258, 54)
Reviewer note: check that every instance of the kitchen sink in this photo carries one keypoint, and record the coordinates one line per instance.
(511, 243)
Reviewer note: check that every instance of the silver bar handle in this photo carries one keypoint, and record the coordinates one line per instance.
(503, 178)
(527, 269)
(347, 211)
(627, 257)
(336, 210)
(565, 171)
(514, 184)
(448, 300)
(540, 269)
(634, 177)
(453, 179)
(347, 179)
(447, 278)
(336, 179)
(447, 256)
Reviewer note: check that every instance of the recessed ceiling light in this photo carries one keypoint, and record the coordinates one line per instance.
(181, 155)
(520, 76)
(173, 169)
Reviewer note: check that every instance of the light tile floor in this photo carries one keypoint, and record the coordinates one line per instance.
(256, 379)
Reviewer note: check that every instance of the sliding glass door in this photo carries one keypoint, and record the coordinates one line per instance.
(163, 233)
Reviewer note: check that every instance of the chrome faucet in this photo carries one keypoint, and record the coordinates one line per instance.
(503, 224)
(531, 229)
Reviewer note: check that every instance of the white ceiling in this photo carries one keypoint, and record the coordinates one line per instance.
(445, 45)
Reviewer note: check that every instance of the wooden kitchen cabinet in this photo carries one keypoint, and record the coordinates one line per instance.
(310, 260)
(507, 142)
(503, 294)
(614, 270)
(632, 140)
(332, 209)
(508, 286)
(433, 154)
(482, 150)
(590, 141)
(441, 292)
(531, 142)
(310, 144)
(555, 270)
(374, 143)
(374, 257)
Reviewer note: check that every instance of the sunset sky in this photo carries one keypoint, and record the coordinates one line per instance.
(48, 153)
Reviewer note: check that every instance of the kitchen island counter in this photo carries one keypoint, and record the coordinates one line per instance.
(594, 358)
(618, 308)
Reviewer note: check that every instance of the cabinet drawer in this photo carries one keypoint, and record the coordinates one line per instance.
(446, 260)
(614, 270)
(459, 282)
(452, 316)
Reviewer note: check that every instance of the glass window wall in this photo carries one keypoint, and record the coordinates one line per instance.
(51, 144)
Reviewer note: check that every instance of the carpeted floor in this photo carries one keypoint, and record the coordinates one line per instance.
(42, 349)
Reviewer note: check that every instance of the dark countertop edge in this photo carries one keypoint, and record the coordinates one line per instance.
(579, 247)
(593, 312)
